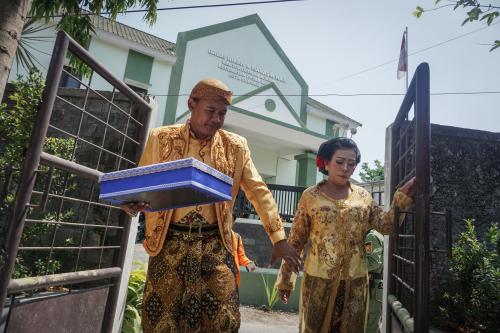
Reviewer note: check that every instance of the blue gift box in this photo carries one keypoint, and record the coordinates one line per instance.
(181, 183)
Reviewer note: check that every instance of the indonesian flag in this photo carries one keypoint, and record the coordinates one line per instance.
(403, 58)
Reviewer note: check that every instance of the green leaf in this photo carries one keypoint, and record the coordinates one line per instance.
(490, 17)
(495, 45)
(418, 12)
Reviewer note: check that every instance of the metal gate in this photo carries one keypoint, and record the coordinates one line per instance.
(410, 253)
(105, 130)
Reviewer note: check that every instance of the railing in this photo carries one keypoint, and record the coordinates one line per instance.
(376, 188)
(287, 198)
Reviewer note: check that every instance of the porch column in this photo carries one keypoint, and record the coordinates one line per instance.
(306, 169)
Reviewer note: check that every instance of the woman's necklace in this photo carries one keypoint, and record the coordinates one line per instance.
(339, 195)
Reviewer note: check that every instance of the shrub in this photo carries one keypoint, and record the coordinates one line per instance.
(132, 316)
(471, 292)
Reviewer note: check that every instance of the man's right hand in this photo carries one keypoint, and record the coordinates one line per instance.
(292, 258)
(284, 296)
(133, 208)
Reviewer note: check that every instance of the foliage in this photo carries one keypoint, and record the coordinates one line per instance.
(476, 12)
(16, 122)
(471, 292)
(76, 18)
(15, 131)
(368, 174)
(272, 294)
(132, 316)
(24, 53)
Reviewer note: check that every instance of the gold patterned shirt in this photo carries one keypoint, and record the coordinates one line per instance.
(199, 149)
(228, 153)
(336, 230)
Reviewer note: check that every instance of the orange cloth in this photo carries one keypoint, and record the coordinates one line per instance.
(240, 258)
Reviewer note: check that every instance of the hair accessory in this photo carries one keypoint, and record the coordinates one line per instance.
(320, 163)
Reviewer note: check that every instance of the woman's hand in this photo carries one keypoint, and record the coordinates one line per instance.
(133, 208)
(409, 188)
(284, 295)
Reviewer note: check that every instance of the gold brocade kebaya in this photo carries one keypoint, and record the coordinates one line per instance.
(334, 291)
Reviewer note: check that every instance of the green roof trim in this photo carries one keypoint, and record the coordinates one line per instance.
(277, 122)
(317, 104)
(184, 37)
(272, 86)
(181, 116)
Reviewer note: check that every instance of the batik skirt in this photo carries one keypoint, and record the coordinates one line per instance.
(191, 285)
(330, 306)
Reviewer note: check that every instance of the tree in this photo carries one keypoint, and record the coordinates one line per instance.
(476, 12)
(12, 16)
(75, 20)
(368, 174)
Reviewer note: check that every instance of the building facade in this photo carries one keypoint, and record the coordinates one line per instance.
(271, 108)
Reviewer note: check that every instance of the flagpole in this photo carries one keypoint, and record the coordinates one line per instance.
(407, 64)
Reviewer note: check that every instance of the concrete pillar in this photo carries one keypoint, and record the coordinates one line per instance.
(306, 169)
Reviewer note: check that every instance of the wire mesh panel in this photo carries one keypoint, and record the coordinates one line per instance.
(58, 231)
(409, 259)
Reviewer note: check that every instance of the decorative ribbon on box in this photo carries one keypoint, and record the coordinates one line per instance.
(181, 183)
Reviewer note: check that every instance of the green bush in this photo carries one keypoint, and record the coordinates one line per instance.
(132, 316)
(471, 292)
(17, 118)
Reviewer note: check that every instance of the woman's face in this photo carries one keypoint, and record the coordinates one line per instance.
(341, 166)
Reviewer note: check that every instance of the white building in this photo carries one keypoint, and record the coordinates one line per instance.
(271, 108)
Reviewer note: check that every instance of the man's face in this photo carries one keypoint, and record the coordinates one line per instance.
(207, 116)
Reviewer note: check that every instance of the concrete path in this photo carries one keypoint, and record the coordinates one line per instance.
(258, 321)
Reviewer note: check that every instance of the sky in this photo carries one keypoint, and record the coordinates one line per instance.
(330, 41)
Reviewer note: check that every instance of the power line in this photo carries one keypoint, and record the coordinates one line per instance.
(213, 6)
(350, 95)
(410, 54)
(188, 7)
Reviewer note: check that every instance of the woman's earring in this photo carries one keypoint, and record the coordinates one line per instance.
(326, 167)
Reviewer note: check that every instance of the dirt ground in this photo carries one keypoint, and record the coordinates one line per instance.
(258, 321)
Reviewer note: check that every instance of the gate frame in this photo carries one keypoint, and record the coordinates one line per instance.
(418, 94)
(35, 154)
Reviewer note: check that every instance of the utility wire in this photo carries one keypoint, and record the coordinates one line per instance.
(410, 54)
(233, 4)
(212, 6)
(351, 95)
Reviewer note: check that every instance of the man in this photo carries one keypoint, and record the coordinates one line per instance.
(374, 248)
(191, 284)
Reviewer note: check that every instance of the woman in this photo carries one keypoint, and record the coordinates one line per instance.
(335, 216)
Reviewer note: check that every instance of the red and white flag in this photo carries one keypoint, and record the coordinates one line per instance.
(403, 59)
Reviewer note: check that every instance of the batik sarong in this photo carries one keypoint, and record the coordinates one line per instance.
(191, 283)
(324, 309)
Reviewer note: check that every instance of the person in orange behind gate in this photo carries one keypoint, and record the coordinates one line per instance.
(240, 257)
